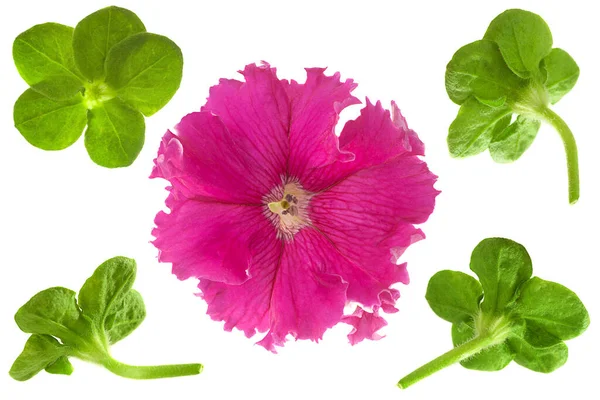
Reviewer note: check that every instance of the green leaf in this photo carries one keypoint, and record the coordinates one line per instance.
(493, 358)
(53, 312)
(62, 366)
(58, 88)
(44, 53)
(524, 40)
(562, 74)
(145, 69)
(454, 296)
(472, 130)
(552, 307)
(49, 124)
(478, 69)
(115, 134)
(97, 33)
(502, 266)
(501, 125)
(104, 291)
(538, 351)
(40, 352)
(512, 142)
(127, 315)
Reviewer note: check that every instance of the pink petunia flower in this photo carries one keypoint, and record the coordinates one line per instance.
(283, 223)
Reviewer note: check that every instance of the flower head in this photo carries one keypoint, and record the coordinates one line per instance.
(283, 223)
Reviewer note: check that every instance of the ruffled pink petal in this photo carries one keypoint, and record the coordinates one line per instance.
(365, 325)
(257, 114)
(208, 240)
(374, 138)
(289, 292)
(247, 306)
(204, 160)
(411, 141)
(388, 298)
(369, 210)
(369, 219)
(316, 106)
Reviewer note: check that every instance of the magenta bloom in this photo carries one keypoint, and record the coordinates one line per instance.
(283, 223)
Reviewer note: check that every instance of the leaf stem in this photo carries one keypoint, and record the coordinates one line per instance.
(570, 149)
(151, 372)
(457, 354)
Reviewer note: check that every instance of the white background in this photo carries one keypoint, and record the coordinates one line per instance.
(62, 215)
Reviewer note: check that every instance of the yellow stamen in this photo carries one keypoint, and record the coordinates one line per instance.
(279, 206)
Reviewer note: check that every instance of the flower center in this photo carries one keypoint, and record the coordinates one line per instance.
(287, 208)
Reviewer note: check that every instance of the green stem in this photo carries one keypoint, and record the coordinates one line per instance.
(455, 355)
(153, 372)
(570, 149)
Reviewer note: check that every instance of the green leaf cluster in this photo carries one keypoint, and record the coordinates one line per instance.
(106, 311)
(504, 84)
(512, 70)
(507, 315)
(107, 74)
(529, 318)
